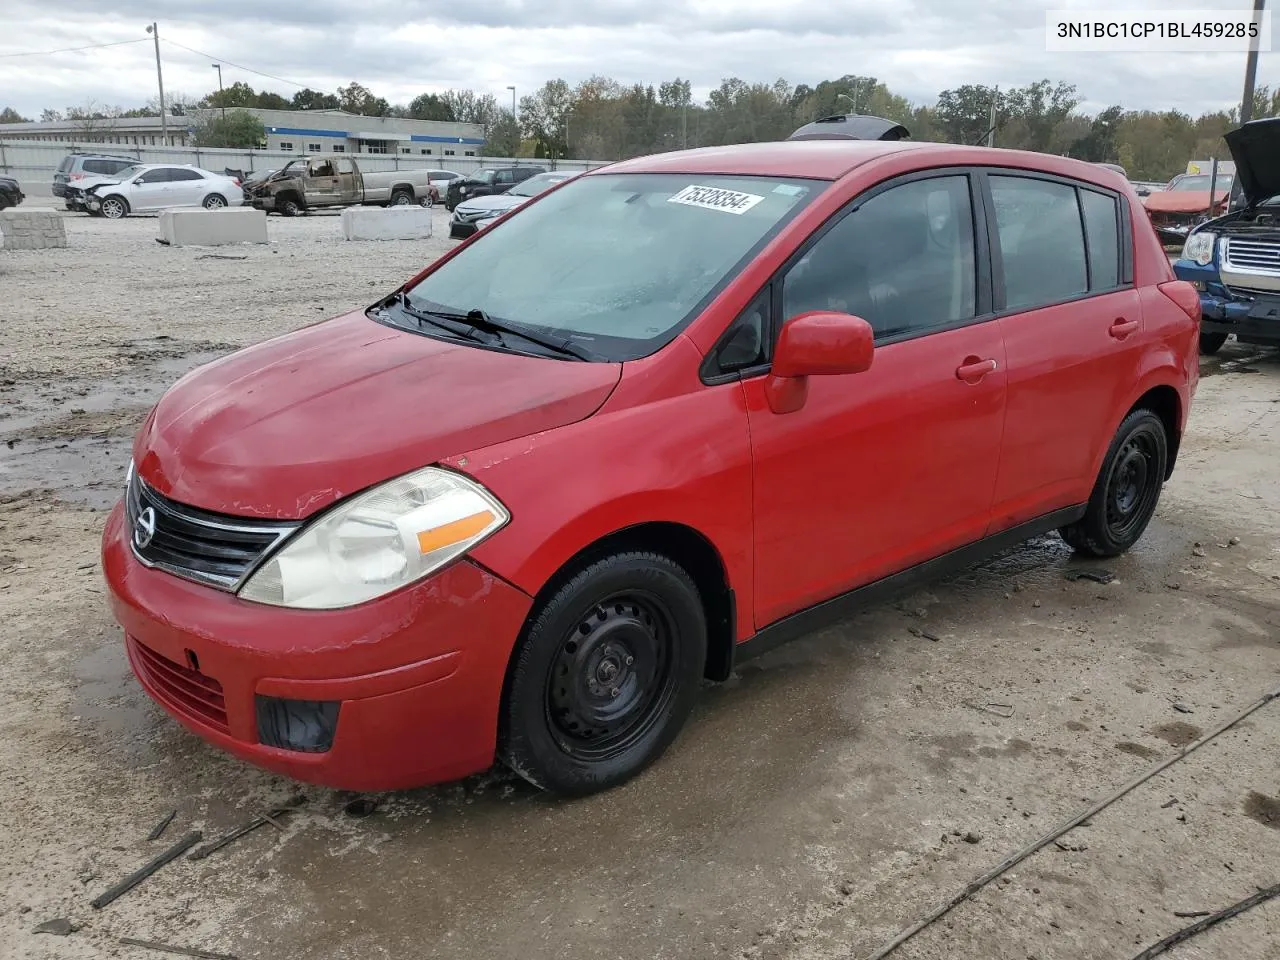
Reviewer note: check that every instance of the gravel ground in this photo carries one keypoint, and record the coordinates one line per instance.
(829, 795)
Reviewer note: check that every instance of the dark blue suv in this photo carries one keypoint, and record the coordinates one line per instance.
(1234, 260)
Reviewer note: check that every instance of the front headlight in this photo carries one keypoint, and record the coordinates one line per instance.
(1199, 247)
(379, 541)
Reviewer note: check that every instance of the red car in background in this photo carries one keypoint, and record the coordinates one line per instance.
(1185, 202)
(674, 412)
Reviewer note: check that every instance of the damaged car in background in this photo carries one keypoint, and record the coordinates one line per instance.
(474, 215)
(1234, 260)
(1186, 202)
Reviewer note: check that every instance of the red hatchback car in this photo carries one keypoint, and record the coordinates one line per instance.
(657, 420)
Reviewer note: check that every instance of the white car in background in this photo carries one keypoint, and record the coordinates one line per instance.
(472, 216)
(147, 187)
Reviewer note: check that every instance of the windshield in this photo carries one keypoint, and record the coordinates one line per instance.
(534, 186)
(618, 263)
(1201, 182)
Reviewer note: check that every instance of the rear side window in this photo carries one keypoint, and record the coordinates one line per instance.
(903, 261)
(179, 174)
(100, 166)
(1102, 226)
(1041, 241)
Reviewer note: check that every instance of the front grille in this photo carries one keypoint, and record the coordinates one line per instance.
(1256, 254)
(187, 691)
(206, 547)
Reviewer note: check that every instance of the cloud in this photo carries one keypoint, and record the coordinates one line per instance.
(400, 48)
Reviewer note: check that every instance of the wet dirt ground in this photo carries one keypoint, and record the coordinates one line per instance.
(829, 795)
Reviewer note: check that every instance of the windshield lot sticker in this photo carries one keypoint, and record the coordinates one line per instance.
(714, 198)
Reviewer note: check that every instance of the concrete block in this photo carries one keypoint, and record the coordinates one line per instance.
(212, 228)
(32, 229)
(386, 223)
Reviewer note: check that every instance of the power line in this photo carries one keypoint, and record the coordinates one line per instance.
(238, 66)
(92, 46)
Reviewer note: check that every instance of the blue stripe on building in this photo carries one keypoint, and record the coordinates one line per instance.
(345, 135)
(423, 138)
(301, 132)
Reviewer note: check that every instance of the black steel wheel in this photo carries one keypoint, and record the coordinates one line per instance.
(1127, 490)
(605, 674)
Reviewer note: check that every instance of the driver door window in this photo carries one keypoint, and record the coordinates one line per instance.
(902, 260)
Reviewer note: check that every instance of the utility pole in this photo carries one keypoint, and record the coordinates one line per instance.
(221, 101)
(1251, 65)
(154, 30)
(991, 119)
(514, 122)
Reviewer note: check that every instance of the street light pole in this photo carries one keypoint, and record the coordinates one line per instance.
(514, 122)
(154, 30)
(1251, 65)
(221, 101)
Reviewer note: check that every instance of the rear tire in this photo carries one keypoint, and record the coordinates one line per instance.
(215, 201)
(1211, 343)
(400, 198)
(605, 675)
(1127, 490)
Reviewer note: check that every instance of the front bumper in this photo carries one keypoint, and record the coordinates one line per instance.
(1253, 319)
(417, 674)
(461, 229)
(264, 202)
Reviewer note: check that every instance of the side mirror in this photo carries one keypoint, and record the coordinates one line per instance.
(816, 344)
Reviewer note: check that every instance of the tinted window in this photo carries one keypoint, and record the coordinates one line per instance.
(1100, 223)
(617, 262)
(66, 163)
(105, 166)
(1041, 241)
(162, 175)
(179, 174)
(902, 261)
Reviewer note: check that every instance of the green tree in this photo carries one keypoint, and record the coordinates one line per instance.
(355, 98)
(467, 106)
(430, 106)
(962, 115)
(308, 99)
(240, 128)
(10, 115)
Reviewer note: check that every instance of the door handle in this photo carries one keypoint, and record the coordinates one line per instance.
(1121, 328)
(974, 369)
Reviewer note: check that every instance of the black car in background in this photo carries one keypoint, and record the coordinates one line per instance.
(10, 193)
(487, 181)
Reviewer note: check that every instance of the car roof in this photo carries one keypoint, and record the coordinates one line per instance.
(832, 159)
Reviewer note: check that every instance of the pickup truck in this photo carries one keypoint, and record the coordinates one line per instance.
(335, 180)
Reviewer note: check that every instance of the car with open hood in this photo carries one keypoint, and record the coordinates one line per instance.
(1234, 259)
(1188, 199)
(663, 418)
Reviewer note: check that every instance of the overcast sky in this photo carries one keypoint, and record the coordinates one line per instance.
(400, 48)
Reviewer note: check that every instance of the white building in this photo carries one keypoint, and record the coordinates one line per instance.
(288, 131)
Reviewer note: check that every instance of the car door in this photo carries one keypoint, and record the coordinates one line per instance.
(882, 469)
(1072, 326)
(320, 188)
(349, 185)
(504, 181)
(150, 189)
(187, 187)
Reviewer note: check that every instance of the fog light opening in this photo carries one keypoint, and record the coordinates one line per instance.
(305, 726)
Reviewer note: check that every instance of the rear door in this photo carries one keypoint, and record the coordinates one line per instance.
(187, 187)
(1072, 326)
(349, 184)
(883, 469)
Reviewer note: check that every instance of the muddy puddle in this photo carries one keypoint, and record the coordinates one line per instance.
(72, 437)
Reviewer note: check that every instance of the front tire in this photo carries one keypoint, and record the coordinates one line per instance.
(214, 201)
(605, 675)
(114, 207)
(288, 207)
(1211, 343)
(1127, 490)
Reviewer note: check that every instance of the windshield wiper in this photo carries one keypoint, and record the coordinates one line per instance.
(479, 320)
(445, 321)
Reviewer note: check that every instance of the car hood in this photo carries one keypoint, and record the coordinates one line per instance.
(495, 204)
(287, 427)
(84, 183)
(1182, 201)
(1255, 147)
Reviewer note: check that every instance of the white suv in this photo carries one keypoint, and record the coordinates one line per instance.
(154, 186)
